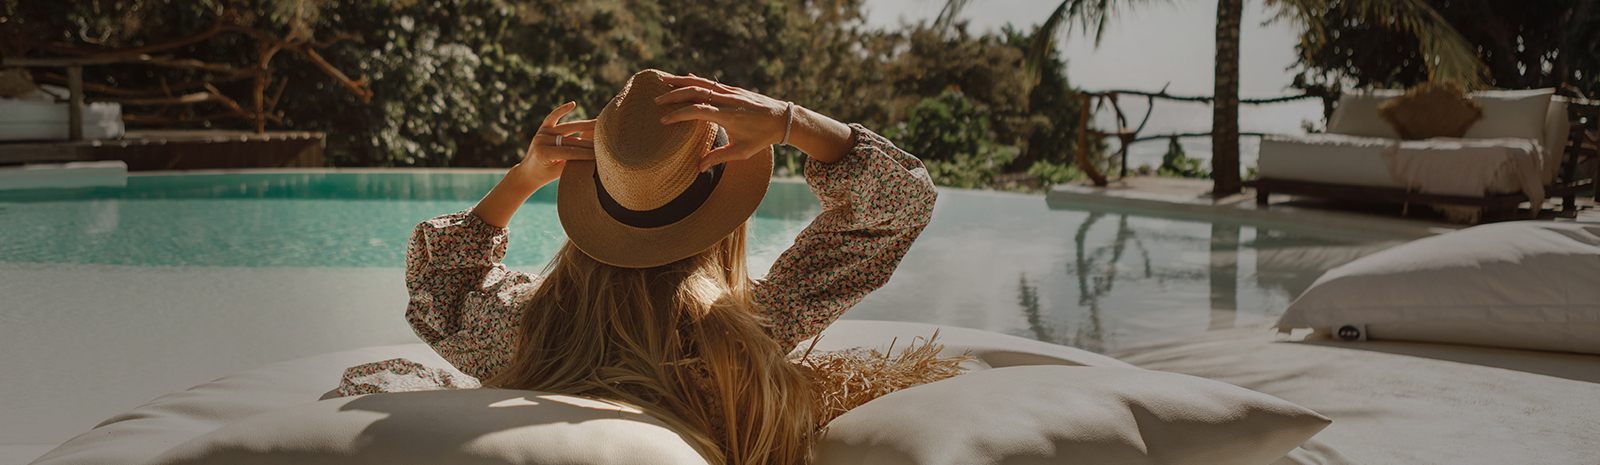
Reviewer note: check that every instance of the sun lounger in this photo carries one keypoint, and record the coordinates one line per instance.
(1356, 158)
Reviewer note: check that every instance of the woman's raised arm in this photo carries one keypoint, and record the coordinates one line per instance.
(754, 121)
(541, 165)
(876, 200)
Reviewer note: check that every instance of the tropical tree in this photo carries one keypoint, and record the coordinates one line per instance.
(1448, 56)
(1525, 44)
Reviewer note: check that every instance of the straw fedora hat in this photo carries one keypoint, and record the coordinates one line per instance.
(642, 202)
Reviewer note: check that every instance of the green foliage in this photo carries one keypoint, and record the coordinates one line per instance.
(951, 134)
(1177, 164)
(1051, 122)
(466, 82)
(461, 92)
(1056, 173)
(1523, 43)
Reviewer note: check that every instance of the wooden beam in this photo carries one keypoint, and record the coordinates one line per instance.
(72, 61)
(75, 109)
(179, 100)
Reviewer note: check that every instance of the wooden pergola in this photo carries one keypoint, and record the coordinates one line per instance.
(74, 66)
(257, 107)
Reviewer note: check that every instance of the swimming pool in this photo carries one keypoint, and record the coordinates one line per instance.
(114, 295)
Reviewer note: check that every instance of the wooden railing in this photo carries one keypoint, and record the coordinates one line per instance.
(1128, 136)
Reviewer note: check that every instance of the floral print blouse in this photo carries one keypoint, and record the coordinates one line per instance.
(467, 305)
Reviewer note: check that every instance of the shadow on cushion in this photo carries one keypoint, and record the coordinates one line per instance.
(469, 426)
(1064, 414)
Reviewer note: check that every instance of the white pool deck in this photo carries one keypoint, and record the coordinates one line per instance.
(182, 304)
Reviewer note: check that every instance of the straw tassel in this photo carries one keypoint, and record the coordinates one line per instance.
(847, 379)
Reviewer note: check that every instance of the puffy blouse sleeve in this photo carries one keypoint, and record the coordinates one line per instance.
(463, 301)
(875, 201)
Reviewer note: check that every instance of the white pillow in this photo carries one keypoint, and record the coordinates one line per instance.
(1357, 114)
(467, 426)
(1512, 113)
(1061, 414)
(1524, 284)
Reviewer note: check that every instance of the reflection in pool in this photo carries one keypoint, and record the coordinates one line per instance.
(1102, 280)
(1285, 264)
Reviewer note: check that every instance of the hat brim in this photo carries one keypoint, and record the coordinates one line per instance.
(744, 183)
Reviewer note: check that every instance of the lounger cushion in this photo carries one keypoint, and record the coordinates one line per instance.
(1059, 414)
(1519, 114)
(434, 427)
(1431, 110)
(28, 119)
(1357, 115)
(1526, 285)
(1352, 160)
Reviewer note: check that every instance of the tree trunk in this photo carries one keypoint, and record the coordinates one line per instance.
(1225, 109)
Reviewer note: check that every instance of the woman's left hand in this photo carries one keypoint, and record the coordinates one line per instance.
(753, 121)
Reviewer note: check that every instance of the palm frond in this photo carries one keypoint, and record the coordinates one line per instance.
(1091, 15)
(1304, 13)
(947, 15)
(1448, 55)
(1043, 42)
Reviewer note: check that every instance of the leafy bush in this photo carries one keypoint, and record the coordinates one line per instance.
(951, 134)
(1176, 164)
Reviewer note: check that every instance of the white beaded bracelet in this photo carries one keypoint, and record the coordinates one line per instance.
(788, 111)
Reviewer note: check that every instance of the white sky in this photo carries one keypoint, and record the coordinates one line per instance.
(1144, 48)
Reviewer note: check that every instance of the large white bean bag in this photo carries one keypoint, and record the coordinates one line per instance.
(271, 416)
(1521, 284)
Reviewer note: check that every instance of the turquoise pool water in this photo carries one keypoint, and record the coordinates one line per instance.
(290, 219)
(112, 296)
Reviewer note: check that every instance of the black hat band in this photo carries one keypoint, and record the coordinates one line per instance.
(680, 207)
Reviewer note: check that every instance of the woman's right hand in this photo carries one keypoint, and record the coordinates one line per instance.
(544, 160)
(540, 166)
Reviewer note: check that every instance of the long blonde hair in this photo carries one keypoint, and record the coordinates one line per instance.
(683, 341)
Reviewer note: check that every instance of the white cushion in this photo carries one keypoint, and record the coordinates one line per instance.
(44, 120)
(1512, 113)
(1523, 114)
(1353, 160)
(434, 427)
(1058, 414)
(32, 111)
(1526, 284)
(1357, 115)
(1327, 158)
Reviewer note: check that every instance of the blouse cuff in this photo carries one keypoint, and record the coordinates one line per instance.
(876, 185)
(461, 240)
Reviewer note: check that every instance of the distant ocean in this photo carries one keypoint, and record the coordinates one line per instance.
(1186, 117)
